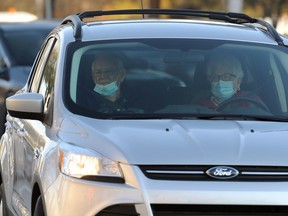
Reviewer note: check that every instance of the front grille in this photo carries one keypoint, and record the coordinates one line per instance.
(198, 173)
(213, 210)
(119, 210)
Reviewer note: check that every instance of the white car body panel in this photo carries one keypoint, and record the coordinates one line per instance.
(133, 140)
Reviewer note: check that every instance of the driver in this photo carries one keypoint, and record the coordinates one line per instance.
(108, 73)
(224, 73)
(110, 94)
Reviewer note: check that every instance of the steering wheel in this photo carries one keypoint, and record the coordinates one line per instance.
(250, 100)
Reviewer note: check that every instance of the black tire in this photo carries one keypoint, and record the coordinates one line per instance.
(4, 209)
(39, 210)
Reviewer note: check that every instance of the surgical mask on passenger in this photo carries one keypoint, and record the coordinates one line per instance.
(107, 90)
(222, 90)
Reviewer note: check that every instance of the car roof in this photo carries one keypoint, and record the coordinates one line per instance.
(174, 29)
(220, 25)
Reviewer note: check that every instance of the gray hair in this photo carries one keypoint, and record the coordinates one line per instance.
(225, 61)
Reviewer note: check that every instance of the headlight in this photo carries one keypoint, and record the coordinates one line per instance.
(87, 164)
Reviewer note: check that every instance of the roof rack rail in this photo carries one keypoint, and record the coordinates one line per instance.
(272, 31)
(77, 24)
(223, 16)
(229, 17)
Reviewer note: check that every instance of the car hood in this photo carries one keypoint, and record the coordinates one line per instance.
(225, 142)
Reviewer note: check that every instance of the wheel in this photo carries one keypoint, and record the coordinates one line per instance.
(39, 210)
(235, 100)
(4, 209)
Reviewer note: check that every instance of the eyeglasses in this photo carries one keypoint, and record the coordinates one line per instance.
(224, 77)
(109, 73)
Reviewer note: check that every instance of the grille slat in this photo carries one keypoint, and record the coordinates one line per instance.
(213, 210)
(198, 173)
(119, 210)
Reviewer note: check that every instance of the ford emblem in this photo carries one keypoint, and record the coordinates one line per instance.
(222, 172)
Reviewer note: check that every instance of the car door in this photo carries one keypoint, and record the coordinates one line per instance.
(29, 136)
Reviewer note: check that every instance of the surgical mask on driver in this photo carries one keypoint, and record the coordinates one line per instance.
(222, 90)
(107, 90)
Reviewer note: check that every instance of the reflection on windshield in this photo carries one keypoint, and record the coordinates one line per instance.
(173, 77)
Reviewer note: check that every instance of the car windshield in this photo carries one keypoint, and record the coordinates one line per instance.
(24, 45)
(178, 78)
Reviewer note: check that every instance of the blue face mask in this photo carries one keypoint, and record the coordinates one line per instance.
(107, 90)
(223, 90)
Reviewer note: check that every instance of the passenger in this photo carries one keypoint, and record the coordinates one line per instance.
(225, 75)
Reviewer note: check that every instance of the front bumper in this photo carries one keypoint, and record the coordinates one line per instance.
(143, 196)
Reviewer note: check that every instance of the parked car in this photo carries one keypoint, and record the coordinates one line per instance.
(19, 45)
(163, 154)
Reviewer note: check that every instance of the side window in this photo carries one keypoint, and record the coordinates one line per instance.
(46, 87)
(42, 79)
(40, 64)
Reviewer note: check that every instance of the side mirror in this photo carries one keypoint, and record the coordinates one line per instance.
(26, 106)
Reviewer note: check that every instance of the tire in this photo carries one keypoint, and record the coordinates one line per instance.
(4, 209)
(39, 210)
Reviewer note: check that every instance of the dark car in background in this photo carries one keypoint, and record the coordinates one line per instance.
(19, 45)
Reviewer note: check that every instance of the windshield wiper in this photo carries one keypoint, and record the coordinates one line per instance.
(201, 117)
(153, 116)
(243, 117)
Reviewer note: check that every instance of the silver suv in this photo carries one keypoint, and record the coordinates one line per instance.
(151, 116)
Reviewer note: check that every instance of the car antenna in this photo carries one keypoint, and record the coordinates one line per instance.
(143, 16)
